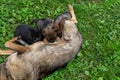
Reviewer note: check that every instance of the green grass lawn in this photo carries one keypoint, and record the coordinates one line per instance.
(98, 22)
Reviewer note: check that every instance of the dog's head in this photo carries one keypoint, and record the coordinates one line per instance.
(59, 21)
(45, 26)
(50, 33)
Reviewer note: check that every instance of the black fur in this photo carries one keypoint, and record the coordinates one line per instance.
(28, 34)
(42, 23)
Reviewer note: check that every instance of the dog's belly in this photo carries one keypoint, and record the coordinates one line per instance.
(46, 59)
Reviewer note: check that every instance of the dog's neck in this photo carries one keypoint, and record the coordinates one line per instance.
(57, 41)
(69, 30)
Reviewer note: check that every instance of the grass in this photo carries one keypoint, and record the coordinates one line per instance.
(98, 22)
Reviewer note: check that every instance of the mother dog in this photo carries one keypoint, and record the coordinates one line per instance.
(43, 58)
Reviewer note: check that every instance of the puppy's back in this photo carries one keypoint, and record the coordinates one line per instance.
(26, 32)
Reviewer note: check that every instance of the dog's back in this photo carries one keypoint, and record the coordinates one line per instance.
(27, 33)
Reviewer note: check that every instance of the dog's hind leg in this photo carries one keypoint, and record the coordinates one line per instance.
(72, 13)
(10, 44)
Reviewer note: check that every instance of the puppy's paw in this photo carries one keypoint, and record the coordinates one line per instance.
(15, 38)
(19, 37)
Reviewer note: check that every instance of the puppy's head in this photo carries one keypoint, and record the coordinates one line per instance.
(42, 23)
(50, 33)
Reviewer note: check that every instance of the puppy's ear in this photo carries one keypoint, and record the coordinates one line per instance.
(40, 25)
(61, 24)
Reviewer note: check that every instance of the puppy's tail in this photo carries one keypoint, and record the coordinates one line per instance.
(70, 7)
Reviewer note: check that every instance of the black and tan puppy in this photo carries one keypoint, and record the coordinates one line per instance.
(29, 35)
(48, 30)
(43, 31)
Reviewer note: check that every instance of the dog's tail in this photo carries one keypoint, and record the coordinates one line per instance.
(70, 7)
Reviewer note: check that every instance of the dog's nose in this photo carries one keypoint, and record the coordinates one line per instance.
(51, 41)
(60, 35)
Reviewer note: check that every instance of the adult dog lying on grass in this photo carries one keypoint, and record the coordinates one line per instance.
(41, 58)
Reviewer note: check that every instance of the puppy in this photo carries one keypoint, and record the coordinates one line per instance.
(26, 35)
(49, 31)
(44, 31)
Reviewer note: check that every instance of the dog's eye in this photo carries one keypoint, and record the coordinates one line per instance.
(54, 28)
(45, 35)
(43, 31)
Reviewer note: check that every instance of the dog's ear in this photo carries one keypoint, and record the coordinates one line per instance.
(61, 23)
(55, 28)
(40, 24)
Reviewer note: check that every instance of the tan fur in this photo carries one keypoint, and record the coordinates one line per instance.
(43, 58)
(10, 44)
(6, 52)
(15, 48)
(72, 13)
(50, 33)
